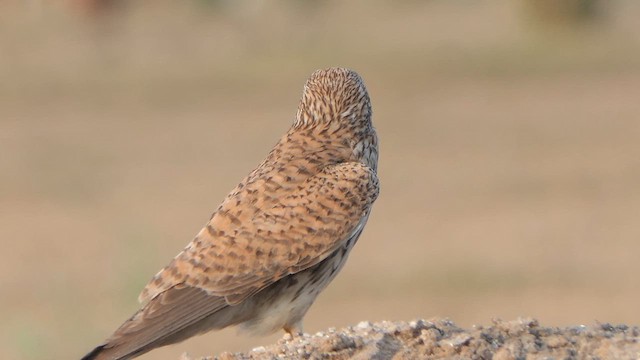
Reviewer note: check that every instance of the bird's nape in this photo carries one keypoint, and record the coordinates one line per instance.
(333, 94)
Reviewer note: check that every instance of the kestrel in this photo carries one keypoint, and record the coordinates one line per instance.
(278, 238)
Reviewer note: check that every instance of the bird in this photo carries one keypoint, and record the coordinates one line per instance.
(278, 238)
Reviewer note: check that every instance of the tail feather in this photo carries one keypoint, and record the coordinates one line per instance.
(104, 352)
(93, 355)
(171, 317)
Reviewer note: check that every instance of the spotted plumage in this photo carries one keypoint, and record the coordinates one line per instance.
(278, 238)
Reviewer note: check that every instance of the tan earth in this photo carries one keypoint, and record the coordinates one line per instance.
(509, 158)
(442, 339)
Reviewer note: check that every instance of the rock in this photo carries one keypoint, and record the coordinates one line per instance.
(442, 339)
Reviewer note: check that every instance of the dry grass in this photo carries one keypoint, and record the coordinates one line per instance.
(510, 159)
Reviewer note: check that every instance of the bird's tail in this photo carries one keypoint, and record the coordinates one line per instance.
(96, 354)
(172, 317)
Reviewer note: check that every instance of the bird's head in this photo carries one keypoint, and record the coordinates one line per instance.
(334, 95)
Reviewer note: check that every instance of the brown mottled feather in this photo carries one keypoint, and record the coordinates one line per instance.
(279, 237)
(239, 257)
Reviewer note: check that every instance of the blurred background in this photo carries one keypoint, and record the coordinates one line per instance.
(510, 156)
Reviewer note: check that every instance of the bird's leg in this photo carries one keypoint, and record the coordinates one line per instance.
(293, 330)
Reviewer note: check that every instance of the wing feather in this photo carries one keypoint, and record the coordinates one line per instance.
(254, 240)
(170, 317)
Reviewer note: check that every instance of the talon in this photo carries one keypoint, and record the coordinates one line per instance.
(293, 331)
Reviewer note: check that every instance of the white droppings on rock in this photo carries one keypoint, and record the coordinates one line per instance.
(363, 325)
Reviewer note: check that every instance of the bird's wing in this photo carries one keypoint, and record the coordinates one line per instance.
(168, 318)
(251, 242)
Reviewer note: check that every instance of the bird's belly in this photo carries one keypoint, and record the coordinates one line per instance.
(285, 303)
(277, 315)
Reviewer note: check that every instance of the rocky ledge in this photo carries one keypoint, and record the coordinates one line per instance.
(442, 339)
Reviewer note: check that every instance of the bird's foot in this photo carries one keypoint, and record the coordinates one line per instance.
(291, 332)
